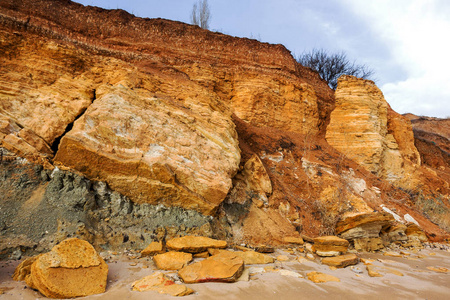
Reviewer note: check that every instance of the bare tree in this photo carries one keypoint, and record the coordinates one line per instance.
(201, 15)
(331, 66)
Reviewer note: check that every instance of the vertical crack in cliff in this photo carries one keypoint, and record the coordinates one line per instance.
(55, 145)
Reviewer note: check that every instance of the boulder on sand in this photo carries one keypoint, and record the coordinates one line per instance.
(330, 245)
(341, 261)
(223, 267)
(71, 269)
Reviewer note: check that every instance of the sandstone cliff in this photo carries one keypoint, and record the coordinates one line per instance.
(144, 129)
(364, 128)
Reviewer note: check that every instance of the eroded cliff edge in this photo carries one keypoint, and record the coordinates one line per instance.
(137, 129)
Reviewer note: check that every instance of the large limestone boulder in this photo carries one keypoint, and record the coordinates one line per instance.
(330, 245)
(71, 269)
(364, 225)
(162, 284)
(194, 244)
(154, 151)
(223, 267)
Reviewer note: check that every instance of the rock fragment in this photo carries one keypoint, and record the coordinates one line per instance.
(222, 267)
(318, 277)
(282, 258)
(172, 260)
(376, 271)
(341, 261)
(194, 244)
(438, 269)
(293, 240)
(153, 249)
(162, 284)
(289, 273)
(254, 258)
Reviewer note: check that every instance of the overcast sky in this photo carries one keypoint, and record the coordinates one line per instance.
(406, 42)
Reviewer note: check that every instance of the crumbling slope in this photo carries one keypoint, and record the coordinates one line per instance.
(143, 129)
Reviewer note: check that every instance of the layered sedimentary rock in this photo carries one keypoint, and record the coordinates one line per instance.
(364, 128)
(148, 148)
(161, 129)
(330, 246)
(432, 140)
(194, 244)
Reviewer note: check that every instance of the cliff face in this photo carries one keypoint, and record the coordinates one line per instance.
(137, 130)
(54, 84)
(432, 138)
(364, 128)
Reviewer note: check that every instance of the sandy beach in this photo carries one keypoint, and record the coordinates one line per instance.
(418, 281)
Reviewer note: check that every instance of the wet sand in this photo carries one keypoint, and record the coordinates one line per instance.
(418, 282)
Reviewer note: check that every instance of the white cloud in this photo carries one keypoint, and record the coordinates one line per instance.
(417, 32)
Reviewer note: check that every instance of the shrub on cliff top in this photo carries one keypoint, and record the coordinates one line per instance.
(331, 66)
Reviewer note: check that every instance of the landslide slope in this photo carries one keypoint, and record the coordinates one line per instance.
(123, 130)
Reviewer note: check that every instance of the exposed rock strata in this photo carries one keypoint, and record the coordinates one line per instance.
(42, 208)
(364, 128)
(330, 246)
(156, 117)
(148, 148)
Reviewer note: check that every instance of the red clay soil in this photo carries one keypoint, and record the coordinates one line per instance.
(290, 183)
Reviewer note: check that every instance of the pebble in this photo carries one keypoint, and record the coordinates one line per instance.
(282, 258)
(290, 273)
